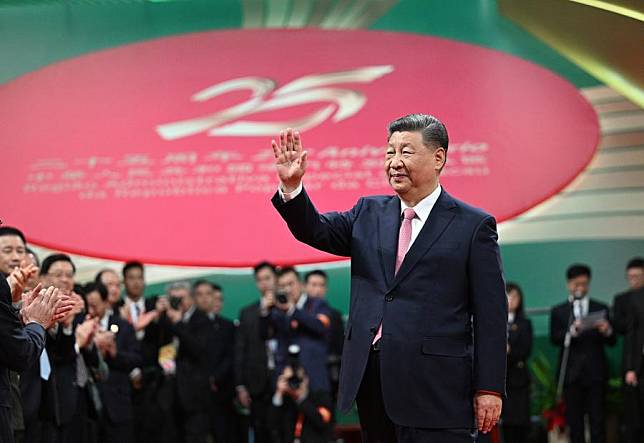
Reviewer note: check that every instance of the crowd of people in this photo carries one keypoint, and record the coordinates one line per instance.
(581, 327)
(116, 366)
(119, 367)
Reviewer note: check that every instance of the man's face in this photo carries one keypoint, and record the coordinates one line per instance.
(60, 275)
(184, 296)
(514, 300)
(635, 277)
(265, 280)
(218, 302)
(134, 282)
(316, 286)
(96, 307)
(291, 286)
(112, 282)
(204, 297)
(578, 286)
(412, 168)
(12, 252)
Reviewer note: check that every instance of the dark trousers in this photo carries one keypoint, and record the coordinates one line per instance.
(110, 432)
(6, 430)
(376, 425)
(223, 422)
(581, 399)
(259, 409)
(630, 427)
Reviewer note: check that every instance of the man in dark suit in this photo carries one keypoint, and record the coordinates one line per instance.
(253, 361)
(424, 353)
(147, 379)
(119, 347)
(587, 323)
(630, 426)
(22, 336)
(316, 286)
(219, 354)
(298, 319)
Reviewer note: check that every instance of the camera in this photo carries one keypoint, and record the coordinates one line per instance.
(293, 361)
(282, 299)
(175, 302)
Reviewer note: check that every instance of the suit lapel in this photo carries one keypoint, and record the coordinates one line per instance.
(388, 227)
(439, 218)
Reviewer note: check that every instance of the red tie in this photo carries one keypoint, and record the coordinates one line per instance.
(404, 239)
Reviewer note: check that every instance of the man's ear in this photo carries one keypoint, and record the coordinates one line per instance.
(440, 157)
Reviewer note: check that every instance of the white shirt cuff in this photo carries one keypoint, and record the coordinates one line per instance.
(286, 196)
(277, 400)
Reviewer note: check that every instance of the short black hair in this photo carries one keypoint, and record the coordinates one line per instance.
(264, 264)
(287, 270)
(577, 270)
(98, 287)
(8, 230)
(132, 265)
(313, 273)
(635, 262)
(53, 258)
(213, 286)
(99, 274)
(511, 286)
(31, 251)
(432, 129)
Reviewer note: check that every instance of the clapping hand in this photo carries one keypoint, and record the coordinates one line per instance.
(44, 307)
(18, 279)
(85, 332)
(290, 159)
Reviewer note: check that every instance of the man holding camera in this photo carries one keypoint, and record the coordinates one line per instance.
(300, 414)
(293, 318)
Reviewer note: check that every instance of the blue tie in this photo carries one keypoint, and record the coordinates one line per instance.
(45, 367)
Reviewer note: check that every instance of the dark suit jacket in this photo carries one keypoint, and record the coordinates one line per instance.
(192, 360)
(444, 313)
(304, 329)
(20, 345)
(251, 361)
(220, 348)
(336, 332)
(516, 408)
(155, 337)
(634, 342)
(115, 391)
(621, 308)
(586, 362)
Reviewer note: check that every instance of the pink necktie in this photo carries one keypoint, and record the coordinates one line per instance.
(404, 238)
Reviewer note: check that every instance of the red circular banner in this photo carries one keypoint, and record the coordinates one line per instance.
(160, 150)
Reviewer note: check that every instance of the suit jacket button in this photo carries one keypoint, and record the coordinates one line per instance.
(389, 298)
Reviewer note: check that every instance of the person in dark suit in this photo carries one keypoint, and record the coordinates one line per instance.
(316, 286)
(630, 421)
(634, 358)
(191, 329)
(425, 347)
(300, 320)
(147, 379)
(22, 335)
(219, 350)
(253, 362)
(586, 371)
(111, 280)
(516, 408)
(300, 414)
(119, 347)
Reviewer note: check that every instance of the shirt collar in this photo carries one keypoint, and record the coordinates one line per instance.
(302, 301)
(425, 206)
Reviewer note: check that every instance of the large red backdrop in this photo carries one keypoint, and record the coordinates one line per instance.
(161, 150)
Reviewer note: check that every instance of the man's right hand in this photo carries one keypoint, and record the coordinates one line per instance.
(44, 307)
(244, 397)
(290, 159)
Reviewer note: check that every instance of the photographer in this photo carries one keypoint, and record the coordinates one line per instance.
(291, 317)
(299, 414)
